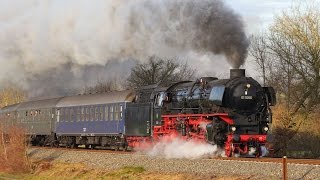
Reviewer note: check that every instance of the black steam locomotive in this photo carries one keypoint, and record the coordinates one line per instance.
(238, 110)
(233, 113)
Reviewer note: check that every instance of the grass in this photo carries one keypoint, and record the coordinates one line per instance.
(125, 173)
(50, 171)
(66, 171)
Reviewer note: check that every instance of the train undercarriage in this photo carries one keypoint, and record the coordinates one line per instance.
(206, 128)
(116, 142)
(201, 128)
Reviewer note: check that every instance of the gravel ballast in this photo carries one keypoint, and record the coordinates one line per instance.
(110, 161)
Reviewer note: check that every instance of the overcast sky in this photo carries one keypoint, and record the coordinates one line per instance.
(258, 14)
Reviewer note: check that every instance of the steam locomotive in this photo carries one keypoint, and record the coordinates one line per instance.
(232, 113)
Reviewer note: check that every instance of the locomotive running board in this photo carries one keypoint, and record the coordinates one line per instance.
(224, 116)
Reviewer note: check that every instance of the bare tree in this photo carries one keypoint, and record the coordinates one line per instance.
(159, 71)
(290, 54)
(104, 86)
(289, 57)
(295, 40)
(259, 51)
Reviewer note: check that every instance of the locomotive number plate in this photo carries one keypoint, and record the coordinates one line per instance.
(246, 97)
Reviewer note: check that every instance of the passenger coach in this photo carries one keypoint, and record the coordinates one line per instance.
(92, 120)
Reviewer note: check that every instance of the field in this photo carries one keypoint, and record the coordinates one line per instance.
(49, 170)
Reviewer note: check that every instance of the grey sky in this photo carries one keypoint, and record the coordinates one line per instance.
(258, 14)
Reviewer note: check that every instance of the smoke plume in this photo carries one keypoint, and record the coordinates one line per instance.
(57, 45)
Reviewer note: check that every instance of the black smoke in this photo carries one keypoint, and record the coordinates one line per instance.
(55, 48)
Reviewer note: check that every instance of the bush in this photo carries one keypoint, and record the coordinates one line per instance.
(13, 150)
(295, 136)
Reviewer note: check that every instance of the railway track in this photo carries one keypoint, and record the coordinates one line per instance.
(274, 160)
(265, 159)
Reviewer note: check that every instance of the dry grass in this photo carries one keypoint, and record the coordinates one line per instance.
(296, 135)
(54, 170)
(13, 150)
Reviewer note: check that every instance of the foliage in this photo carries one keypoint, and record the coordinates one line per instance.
(159, 71)
(302, 142)
(11, 95)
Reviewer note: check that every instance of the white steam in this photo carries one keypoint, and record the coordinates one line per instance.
(179, 148)
(57, 41)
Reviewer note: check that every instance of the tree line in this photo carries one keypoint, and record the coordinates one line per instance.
(288, 55)
(155, 70)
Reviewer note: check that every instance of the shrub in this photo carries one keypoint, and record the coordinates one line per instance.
(13, 150)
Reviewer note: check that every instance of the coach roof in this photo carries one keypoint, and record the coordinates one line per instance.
(39, 104)
(9, 108)
(109, 97)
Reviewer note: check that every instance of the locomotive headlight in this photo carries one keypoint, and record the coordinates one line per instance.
(233, 128)
(248, 86)
(266, 129)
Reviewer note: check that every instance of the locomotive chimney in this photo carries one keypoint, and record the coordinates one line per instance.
(237, 73)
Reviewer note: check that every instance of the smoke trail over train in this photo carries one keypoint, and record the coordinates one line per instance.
(60, 44)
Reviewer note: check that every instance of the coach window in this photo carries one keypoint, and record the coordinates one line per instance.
(101, 113)
(107, 113)
(91, 113)
(58, 115)
(82, 117)
(121, 111)
(116, 112)
(61, 114)
(71, 114)
(31, 118)
(66, 115)
(96, 110)
(111, 113)
(75, 114)
(87, 113)
(78, 116)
